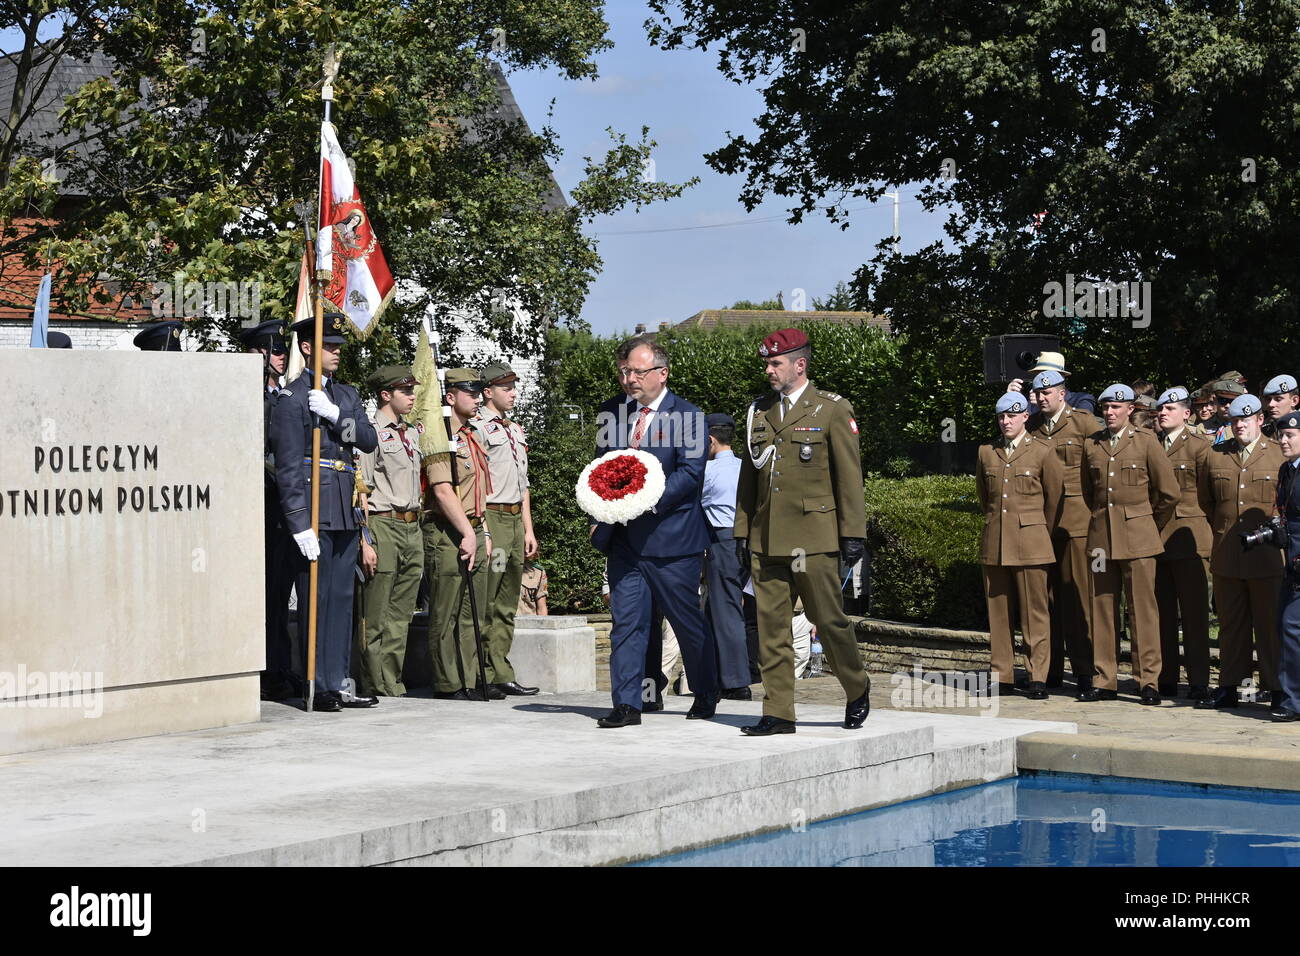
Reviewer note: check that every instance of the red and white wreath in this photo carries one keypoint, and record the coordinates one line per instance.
(620, 486)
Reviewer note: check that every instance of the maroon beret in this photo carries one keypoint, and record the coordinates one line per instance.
(782, 341)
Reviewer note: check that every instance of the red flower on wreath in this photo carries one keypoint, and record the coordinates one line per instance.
(617, 478)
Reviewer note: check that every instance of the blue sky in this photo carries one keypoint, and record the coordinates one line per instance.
(667, 276)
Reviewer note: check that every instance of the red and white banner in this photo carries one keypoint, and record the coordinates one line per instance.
(359, 284)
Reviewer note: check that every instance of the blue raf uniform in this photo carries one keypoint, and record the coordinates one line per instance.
(1286, 706)
(277, 678)
(292, 422)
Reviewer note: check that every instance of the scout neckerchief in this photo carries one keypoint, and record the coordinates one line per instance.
(478, 457)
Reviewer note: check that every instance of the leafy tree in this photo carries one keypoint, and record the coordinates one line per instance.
(840, 299)
(1149, 141)
(772, 305)
(205, 137)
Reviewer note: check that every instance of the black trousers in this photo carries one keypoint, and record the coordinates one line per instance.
(336, 580)
(281, 567)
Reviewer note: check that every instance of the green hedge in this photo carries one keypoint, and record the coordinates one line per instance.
(923, 537)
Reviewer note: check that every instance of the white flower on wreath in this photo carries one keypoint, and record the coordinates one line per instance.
(625, 509)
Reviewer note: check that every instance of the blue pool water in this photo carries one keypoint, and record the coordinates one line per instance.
(1040, 820)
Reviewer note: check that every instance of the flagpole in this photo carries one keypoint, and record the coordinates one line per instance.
(318, 293)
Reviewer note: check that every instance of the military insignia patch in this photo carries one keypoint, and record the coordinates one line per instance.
(853, 424)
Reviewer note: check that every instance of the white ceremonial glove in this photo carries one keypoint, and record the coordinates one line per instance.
(308, 544)
(320, 404)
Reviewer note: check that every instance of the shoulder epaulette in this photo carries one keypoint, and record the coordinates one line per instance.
(831, 395)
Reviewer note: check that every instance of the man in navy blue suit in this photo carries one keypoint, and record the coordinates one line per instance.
(656, 559)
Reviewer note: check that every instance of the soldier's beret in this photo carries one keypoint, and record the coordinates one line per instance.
(1048, 379)
(390, 377)
(782, 341)
(159, 337)
(1289, 420)
(333, 330)
(719, 418)
(1243, 405)
(1229, 388)
(498, 373)
(1175, 394)
(1233, 376)
(1204, 396)
(266, 335)
(57, 340)
(1116, 393)
(463, 376)
(1280, 383)
(1011, 402)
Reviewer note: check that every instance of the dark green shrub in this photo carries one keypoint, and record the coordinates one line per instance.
(923, 538)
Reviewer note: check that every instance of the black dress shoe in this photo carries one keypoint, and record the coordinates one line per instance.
(855, 711)
(451, 694)
(354, 701)
(651, 706)
(1224, 697)
(768, 726)
(1168, 690)
(1150, 697)
(1037, 690)
(1006, 690)
(703, 709)
(1283, 716)
(328, 701)
(1093, 694)
(624, 715)
(1198, 692)
(493, 692)
(738, 693)
(515, 689)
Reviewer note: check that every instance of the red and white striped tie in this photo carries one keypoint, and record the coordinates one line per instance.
(638, 433)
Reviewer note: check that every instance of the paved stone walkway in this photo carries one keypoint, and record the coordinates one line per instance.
(1174, 721)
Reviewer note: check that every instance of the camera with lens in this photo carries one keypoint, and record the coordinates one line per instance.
(1271, 532)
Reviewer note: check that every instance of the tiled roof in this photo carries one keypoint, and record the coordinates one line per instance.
(40, 133)
(713, 318)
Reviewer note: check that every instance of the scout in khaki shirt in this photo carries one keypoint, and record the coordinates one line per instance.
(1130, 487)
(1019, 480)
(454, 533)
(799, 510)
(509, 520)
(396, 562)
(1069, 580)
(1241, 485)
(1182, 576)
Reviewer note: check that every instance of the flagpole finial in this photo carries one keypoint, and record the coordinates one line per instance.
(330, 70)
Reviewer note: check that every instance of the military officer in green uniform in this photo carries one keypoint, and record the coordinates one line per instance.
(799, 510)
(509, 520)
(396, 562)
(456, 533)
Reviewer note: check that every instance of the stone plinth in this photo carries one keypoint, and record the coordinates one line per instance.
(131, 577)
(557, 653)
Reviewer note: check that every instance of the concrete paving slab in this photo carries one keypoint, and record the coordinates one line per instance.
(420, 782)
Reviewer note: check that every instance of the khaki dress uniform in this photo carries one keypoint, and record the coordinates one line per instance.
(808, 495)
(1182, 575)
(1131, 489)
(392, 474)
(507, 455)
(455, 664)
(1020, 489)
(1069, 581)
(1241, 497)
